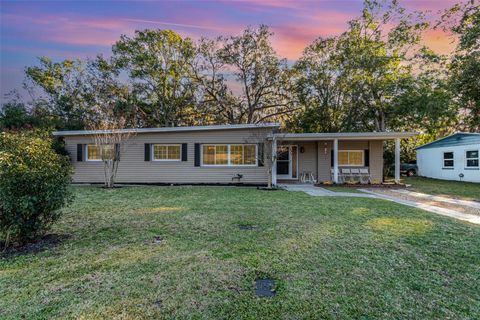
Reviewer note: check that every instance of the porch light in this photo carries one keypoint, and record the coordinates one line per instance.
(302, 149)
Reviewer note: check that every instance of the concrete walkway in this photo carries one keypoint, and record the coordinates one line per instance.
(322, 192)
(442, 211)
(467, 203)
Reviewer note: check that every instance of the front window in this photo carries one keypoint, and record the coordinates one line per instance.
(166, 152)
(472, 158)
(350, 158)
(99, 153)
(448, 161)
(229, 155)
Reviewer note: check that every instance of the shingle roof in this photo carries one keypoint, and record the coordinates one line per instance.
(171, 129)
(456, 139)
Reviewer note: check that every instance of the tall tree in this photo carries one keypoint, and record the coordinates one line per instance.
(107, 95)
(159, 64)
(242, 78)
(350, 82)
(323, 90)
(376, 50)
(58, 88)
(464, 21)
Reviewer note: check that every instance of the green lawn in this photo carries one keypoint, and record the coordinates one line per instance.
(456, 189)
(331, 257)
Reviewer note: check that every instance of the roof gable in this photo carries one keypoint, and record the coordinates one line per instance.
(456, 139)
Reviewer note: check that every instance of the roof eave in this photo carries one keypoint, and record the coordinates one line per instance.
(172, 129)
(344, 136)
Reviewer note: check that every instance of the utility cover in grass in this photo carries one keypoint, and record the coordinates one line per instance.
(265, 287)
(247, 227)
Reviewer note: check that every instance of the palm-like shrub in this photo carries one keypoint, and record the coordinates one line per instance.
(33, 185)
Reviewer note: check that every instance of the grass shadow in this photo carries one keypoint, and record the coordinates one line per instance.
(47, 242)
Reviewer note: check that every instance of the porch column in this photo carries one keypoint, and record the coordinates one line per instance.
(274, 161)
(335, 161)
(397, 160)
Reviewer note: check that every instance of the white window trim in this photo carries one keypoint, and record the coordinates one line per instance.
(229, 165)
(443, 160)
(353, 165)
(466, 160)
(86, 154)
(152, 149)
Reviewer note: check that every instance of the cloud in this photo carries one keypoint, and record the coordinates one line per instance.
(181, 25)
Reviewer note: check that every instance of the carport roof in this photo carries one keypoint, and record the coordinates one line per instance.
(344, 136)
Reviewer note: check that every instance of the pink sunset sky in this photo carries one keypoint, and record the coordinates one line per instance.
(69, 29)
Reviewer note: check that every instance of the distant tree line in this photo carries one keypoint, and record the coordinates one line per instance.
(375, 76)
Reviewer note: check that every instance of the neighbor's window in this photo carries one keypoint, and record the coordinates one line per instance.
(471, 158)
(166, 152)
(229, 155)
(448, 161)
(98, 153)
(350, 158)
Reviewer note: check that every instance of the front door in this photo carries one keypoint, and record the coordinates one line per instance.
(287, 164)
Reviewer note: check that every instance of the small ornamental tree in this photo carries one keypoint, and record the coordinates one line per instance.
(34, 183)
(110, 138)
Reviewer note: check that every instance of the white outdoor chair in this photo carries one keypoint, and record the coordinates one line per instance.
(355, 175)
(346, 174)
(365, 176)
(307, 177)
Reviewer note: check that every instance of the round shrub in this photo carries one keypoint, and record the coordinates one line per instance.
(34, 182)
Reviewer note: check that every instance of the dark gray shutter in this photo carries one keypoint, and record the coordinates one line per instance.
(147, 152)
(367, 158)
(184, 152)
(260, 155)
(80, 152)
(331, 158)
(197, 154)
(117, 151)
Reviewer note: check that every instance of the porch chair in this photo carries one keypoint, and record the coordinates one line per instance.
(355, 175)
(365, 176)
(346, 174)
(307, 177)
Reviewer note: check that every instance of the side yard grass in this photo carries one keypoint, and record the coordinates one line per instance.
(454, 189)
(178, 252)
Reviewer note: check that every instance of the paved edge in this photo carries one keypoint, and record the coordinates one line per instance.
(467, 203)
(442, 211)
(322, 192)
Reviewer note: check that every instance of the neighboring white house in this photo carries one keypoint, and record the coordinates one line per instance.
(455, 157)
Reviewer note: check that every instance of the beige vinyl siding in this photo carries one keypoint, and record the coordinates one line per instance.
(133, 169)
(375, 148)
(307, 161)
